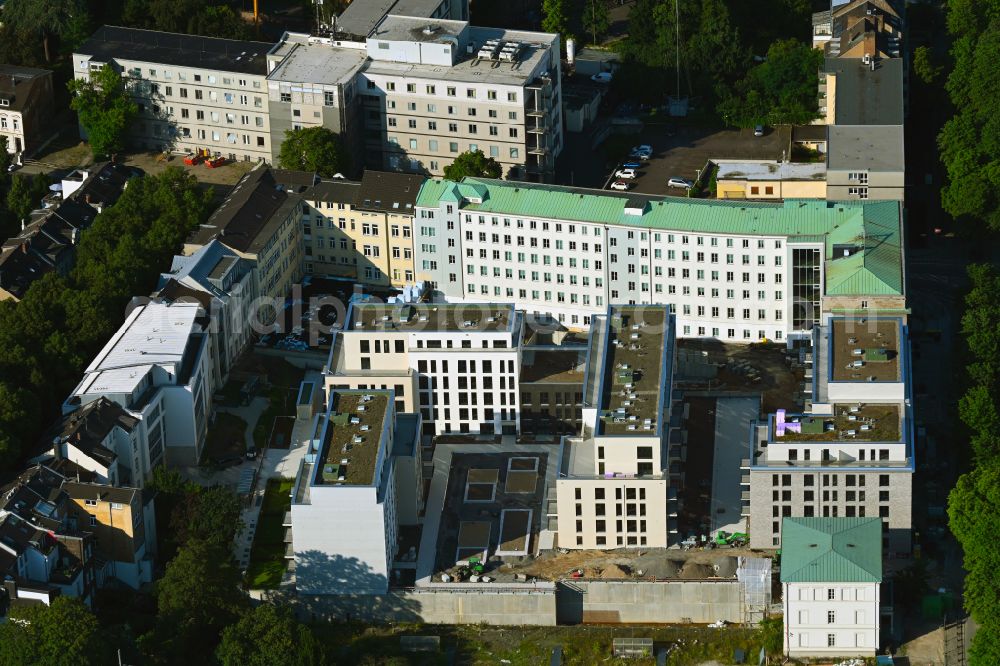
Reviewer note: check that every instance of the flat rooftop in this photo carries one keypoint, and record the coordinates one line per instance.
(305, 61)
(167, 48)
(631, 382)
(866, 97)
(865, 350)
(771, 170)
(431, 317)
(353, 438)
(401, 28)
(554, 365)
(872, 147)
(848, 423)
(361, 16)
(468, 68)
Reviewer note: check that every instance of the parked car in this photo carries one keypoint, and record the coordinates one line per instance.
(644, 149)
(758, 130)
(626, 173)
(620, 185)
(601, 77)
(632, 164)
(12, 167)
(682, 183)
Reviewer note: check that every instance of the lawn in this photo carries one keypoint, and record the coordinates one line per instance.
(267, 555)
(226, 437)
(528, 646)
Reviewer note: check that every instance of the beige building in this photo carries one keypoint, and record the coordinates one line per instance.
(767, 179)
(433, 91)
(362, 231)
(262, 221)
(422, 91)
(613, 485)
(194, 93)
(124, 526)
(25, 107)
(462, 360)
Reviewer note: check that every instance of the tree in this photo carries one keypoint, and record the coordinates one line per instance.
(974, 518)
(924, 65)
(211, 515)
(26, 194)
(780, 90)
(63, 634)
(268, 635)
(970, 140)
(595, 19)
(474, 164)
(556, 18)
(50, 18)
(105, 109)
(197, 597)
(63, 321)
(219, 21)
(313, 149)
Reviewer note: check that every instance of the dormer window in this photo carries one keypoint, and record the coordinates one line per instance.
(4, 101)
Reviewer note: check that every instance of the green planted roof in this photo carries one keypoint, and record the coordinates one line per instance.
(872, 225)
(831, 550)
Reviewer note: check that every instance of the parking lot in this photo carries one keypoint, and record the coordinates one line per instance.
(681, 151)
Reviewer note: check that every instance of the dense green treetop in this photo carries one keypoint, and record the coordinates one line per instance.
(314, 149)
(780, 90)
(63, 634)
(105, 109)
(474, 164)
(268, 635)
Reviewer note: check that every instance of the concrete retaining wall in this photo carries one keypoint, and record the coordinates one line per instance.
(568, 602)
(441, 607)
(698, 601)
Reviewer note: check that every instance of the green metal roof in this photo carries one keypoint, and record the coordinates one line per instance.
(831, 550)
(872, 225)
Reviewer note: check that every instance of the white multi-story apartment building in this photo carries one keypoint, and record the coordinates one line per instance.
(420, 92)
(226, 285)
(158, 367)
(194, 93)
(831, 573)
(735, 271)
(410, 96)
(434, 90)
(457, 364)
(345, 514)
(851, 453)
(612, 490)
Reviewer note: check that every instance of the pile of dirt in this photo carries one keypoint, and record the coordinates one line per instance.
(614, 572)
(696, 571)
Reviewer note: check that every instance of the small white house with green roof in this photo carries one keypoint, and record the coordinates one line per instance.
(831, 574)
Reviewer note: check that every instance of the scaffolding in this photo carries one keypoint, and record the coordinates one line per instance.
(754, 574)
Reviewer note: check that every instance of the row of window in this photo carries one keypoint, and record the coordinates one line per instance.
(433, 146)
(430, 89)
(167, 75)
(213, 96)
(685, 239)
(831, 480)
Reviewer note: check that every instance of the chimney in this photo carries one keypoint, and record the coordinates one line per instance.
(24, 247)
